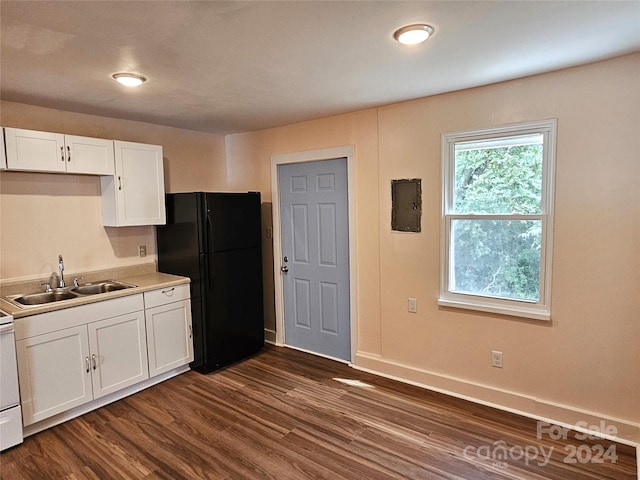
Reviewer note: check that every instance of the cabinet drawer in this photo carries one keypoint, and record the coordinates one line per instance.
(166, 295)
(10, 427)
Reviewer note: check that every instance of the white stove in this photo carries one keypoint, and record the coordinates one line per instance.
(10, 411)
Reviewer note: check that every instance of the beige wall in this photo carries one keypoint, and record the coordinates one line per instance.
(359, 129)
(43, 215)
(584, 364)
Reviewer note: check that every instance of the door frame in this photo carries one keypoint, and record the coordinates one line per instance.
(303, 157)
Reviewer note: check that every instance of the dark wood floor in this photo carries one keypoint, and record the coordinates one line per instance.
(287, 415)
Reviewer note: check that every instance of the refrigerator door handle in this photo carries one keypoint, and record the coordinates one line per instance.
(208, 274)
(209, 232)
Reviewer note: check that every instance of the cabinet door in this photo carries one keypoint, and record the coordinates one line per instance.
(54, 373)
(118, 353)
(32, 150)
(135, 196)
(3, 157)
(93, 156)
(169, 337)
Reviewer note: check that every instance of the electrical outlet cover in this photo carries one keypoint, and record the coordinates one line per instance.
(413, 305)
(496, 359)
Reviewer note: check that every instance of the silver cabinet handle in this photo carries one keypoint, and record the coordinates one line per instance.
(169, 292)
(93, 359)
(68, 153)
(190, 331)
(86, 362)
(119, 182)
(62, 154)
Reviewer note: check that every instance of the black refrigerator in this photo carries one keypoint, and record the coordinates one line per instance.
(215, 239)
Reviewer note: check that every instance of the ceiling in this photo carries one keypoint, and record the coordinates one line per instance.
(233, 66)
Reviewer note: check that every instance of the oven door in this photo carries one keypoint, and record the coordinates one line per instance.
(10, 411)
(9, 393)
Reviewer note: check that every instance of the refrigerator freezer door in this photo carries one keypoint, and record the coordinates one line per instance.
(179, 241)
(232, 221)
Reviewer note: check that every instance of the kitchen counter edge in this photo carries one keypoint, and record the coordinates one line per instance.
(144, 283)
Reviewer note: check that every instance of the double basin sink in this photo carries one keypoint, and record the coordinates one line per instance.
(68, 293)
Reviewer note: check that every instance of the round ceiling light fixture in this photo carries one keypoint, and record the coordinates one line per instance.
(129, 79)
(413, 34)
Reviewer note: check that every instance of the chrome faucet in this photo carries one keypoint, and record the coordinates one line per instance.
(61, 268)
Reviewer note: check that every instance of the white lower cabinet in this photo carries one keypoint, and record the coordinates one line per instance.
(169, 328)
(70, 357)
(52, 369)
(61, 368)
(118, 353)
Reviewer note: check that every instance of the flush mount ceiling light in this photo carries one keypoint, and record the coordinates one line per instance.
(129, 79)
(413, 34)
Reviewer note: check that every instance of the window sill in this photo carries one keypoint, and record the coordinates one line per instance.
(513, 311)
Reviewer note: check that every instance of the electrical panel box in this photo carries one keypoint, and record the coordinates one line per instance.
(406, 205)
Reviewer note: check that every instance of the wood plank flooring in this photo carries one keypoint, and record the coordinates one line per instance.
(284, 415)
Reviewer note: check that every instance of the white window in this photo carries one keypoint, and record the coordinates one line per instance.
(497, 219)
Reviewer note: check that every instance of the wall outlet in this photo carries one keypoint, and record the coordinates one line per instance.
(142, 251)
(269, 232)
(496, 359)
(412, 305)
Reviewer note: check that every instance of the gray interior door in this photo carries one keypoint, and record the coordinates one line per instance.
(314, 217)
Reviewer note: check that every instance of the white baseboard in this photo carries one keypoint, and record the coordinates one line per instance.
(270, 336)
(627, 432)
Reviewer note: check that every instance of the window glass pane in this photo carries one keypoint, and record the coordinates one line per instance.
(500, 176)
(498, 258)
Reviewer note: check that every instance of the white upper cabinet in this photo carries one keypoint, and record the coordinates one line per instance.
(3, 158)
(135, 195)
(31, 150)
(87, 155)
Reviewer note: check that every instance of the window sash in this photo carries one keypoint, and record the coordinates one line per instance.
(501, 142)
(522, 308)
(448, 270)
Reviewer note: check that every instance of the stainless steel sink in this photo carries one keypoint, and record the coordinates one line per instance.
(100, 287)
(45, 297)
(68, 293)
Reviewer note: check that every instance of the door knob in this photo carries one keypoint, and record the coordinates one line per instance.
(284, 269)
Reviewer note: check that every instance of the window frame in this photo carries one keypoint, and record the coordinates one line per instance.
(540, 310)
